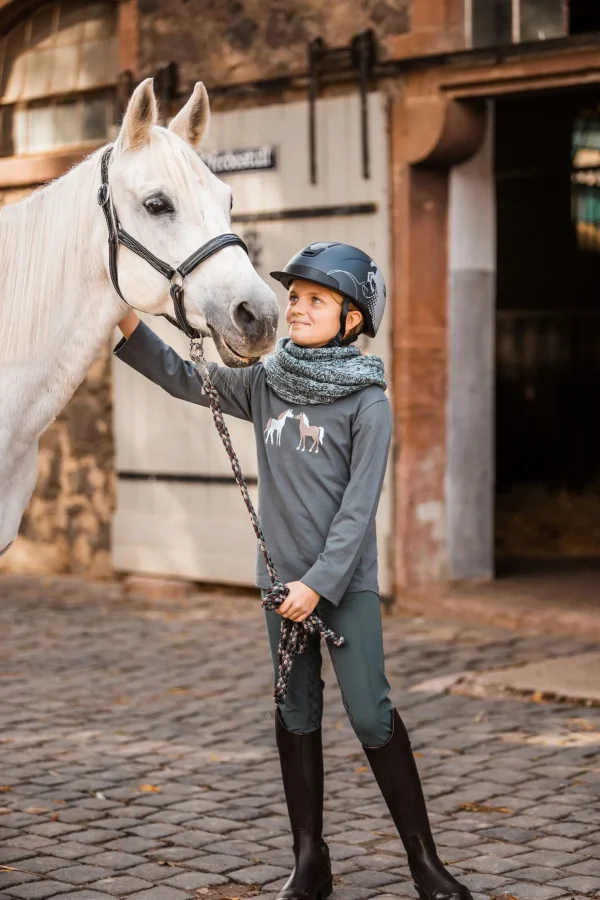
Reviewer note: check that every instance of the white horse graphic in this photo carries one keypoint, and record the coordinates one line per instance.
(276, 425)
(316, 432)
(58, 306)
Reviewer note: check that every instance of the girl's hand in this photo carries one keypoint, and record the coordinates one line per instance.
(129, 324)
(299, 603)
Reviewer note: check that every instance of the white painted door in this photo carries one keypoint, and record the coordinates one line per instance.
(179, 511)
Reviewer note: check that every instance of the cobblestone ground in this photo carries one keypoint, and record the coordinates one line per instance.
(138, 759)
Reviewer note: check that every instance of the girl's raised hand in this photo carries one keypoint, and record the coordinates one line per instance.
(299, 603)
(129, 323)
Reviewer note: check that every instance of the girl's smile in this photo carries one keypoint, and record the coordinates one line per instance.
(313, 314)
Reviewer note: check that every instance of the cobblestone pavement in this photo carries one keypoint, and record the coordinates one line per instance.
(138, 760)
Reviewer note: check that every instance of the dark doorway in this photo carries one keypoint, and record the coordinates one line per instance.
(584, 16)
(548, 329)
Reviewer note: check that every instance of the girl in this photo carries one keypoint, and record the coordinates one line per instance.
(322, 425)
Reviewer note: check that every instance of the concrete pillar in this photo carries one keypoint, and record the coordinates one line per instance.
(471, 330)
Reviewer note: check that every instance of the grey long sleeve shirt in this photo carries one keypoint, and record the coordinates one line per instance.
(320, 467)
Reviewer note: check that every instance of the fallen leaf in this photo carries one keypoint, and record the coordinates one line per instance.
(150, 788)
(537, 697)
(418, 755)
(581, 724)
(482, 808)
(361, 769)
(4, 787)
(36, 810)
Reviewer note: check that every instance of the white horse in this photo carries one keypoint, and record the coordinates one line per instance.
(275, 426)
(57, 303)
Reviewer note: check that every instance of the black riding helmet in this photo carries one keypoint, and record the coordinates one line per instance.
(348, 271)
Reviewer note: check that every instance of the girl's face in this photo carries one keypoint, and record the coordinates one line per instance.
(313, 315)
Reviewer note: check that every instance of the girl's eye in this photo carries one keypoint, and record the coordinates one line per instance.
(316, 300)
(158, 205)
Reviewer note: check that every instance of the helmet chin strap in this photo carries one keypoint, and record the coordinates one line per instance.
(340, 340)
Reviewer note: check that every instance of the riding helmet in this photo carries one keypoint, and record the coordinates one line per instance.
(344, 269)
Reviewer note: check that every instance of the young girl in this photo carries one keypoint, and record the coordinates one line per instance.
(322, 425)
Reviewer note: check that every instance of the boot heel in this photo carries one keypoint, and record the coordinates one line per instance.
(327, 889)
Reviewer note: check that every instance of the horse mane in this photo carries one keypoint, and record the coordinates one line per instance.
(42, 241)
(46, 248)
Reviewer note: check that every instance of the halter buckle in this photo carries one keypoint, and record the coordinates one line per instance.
(177, 280)
(103, 194)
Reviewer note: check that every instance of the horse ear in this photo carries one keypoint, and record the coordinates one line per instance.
(191, 122)
(140, 118)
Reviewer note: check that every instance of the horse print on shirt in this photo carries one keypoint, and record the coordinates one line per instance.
(275, 426)
(315, 432)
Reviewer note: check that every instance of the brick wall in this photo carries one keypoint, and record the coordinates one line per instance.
(242, 40)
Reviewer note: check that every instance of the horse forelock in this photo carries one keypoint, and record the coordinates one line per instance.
(178, 167)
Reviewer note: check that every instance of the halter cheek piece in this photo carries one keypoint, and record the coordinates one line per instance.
(116, 236)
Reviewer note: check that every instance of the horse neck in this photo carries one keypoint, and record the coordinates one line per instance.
(57, 307)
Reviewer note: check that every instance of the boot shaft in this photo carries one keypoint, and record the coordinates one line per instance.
(396, 773)
(301, 759)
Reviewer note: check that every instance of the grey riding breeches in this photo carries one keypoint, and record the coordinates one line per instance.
(359, 669)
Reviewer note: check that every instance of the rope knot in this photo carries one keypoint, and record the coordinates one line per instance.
(293, 640)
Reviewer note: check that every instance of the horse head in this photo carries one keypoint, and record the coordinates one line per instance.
(169, 200)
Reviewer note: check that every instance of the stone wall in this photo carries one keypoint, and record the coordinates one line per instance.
(66, 527)
(223, 40)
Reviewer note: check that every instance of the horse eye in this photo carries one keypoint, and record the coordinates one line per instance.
(230, 202)
(158, 206)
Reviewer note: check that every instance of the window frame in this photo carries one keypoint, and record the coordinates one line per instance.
(106, 88)
(516, 24)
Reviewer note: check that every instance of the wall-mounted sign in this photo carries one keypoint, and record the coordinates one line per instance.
(253, 159)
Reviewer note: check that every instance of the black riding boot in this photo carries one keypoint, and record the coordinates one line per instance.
(301, 758)
(396, 772)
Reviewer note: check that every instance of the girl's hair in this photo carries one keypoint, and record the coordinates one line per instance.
(354, 332)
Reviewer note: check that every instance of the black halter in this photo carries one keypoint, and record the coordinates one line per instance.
(116, 236)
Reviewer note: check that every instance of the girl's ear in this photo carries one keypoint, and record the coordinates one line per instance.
(353, 320)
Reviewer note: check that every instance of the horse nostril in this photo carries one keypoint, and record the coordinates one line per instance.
(244, 317)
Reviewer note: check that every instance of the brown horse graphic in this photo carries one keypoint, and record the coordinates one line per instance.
(275, 426)
(316, 432)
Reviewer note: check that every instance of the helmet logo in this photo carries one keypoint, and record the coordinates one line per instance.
(368, 288)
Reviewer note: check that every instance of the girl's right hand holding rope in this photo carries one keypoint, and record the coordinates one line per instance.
(300, 602)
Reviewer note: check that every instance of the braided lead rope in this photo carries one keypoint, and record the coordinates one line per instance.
(294, 635)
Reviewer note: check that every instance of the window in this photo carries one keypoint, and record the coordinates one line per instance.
(585, 180)
(495, 22)
(58, 69)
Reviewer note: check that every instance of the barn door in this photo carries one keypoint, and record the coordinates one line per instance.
(178, 511)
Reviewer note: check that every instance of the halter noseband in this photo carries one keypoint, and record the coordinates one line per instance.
(116, 236)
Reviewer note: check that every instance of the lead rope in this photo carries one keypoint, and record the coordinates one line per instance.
(293, 640)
